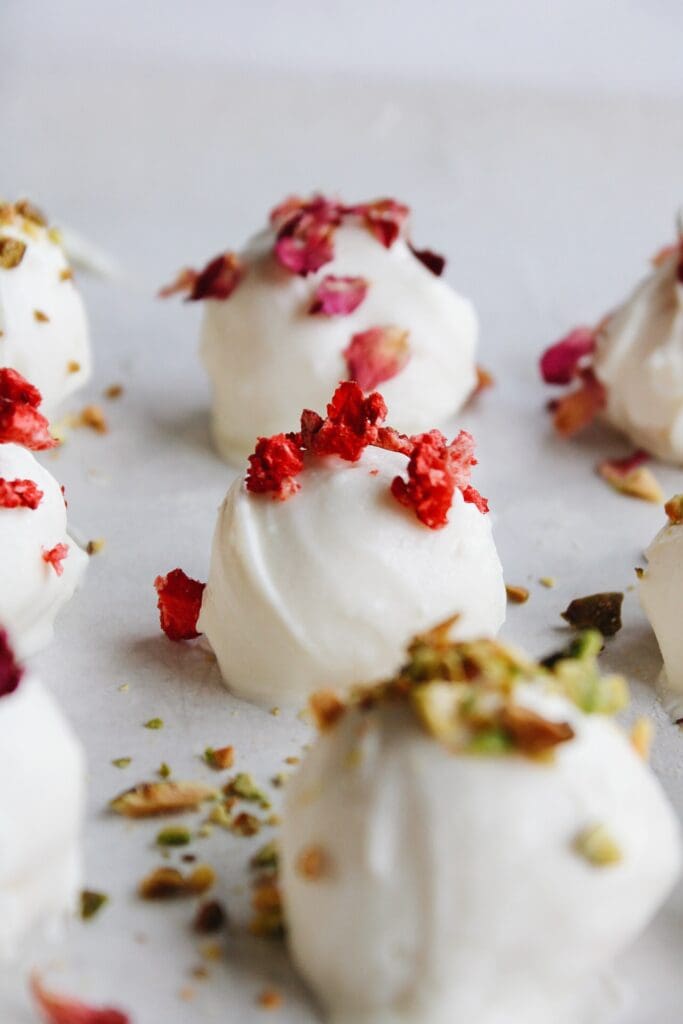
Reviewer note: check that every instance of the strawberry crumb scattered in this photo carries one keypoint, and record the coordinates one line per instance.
(19, 494)
(64, 1010)
(351, 425)
(20, 421)
(179, 603)
(10, 672)
(55, 557)
(338, 296)
(273, 466)
(376, 355)
(435, 470)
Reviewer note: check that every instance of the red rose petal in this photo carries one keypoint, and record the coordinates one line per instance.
(273, 466)
(19, 493)
(385, 218)
(284, 218)
(435, 470)
(560, 363)
(63, 1010)
(184, 282)
(431, 260)
(20, 421)
(376, 355)
(55, 557)
(10, 672)
(352, 423)
(218, 279)
(179, 603)
(338, 296)
(577, 410)
(307, 250)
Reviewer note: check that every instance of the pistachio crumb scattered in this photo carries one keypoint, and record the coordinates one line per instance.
(267, 857)
(92, 417)
(210, 917)
(275, 712)
(598, 847)
(642, 734)
(73, 366)
(113, 392)
(169, 883)
(174, 835)
(152, 798)
(517, 595)
(244, 787)
(220, 758)
(313, 863)
(596, 611)
(66, 274)
(95, 546)
(40, 317)
(674, 509)
(164, 770)
(154, 723)
(91, 903)
(11, 252)
(548, 581)
(122, 762)
(270, 999)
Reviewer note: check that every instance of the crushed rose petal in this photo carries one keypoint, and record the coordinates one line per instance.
(338, 296)
(376, 355)
(273, 466)
(20, 421)
(179, 603)
(183, 282)
(578, 409)
(11, 672)
(431, 260)
(19, 494)
(561, 362)
(435, 470)
(218, 279)
(384, 218)
(632, 477)
(64, 1010)
(55, 557)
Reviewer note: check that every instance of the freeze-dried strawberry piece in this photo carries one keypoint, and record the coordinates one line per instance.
(218, 279)
(431, 260)
(376, 355)
(10, 672)
(183, 282)
(338, 296)
(351, 425)
(19, 494)
(385, 218)
(20, 421)
(435, 470)
(575, 411)
(179, 603)
(273, 466)
(55, 557)
(65, 1010)
(561, 363)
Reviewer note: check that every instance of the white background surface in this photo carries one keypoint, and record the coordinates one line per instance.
(548, 204)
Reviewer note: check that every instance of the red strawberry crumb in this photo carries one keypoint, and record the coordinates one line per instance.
(273, 466)
(56, 1009)
(10, 672)
(431, 260)
(376, 355)
(338, 296)
(351, 424)
(55, 557)
(179, 603)
(561, 362)
(435, 470)
(20, 421)
(19, 494)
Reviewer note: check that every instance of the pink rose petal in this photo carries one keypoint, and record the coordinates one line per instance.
(561, 362)
(376, 355)
(338, 296)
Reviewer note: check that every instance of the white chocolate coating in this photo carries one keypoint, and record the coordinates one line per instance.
(44, 352)
(42, 798)
(31, 592)
(639, 358)
(661, 591)
(453, 891)
(326, 588)
(268, 359)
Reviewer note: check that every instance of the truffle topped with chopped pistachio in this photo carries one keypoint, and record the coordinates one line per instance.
(43, 326)
(476, 804)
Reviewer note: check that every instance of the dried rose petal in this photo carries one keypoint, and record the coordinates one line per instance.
(306, 250)
(385, 218)
(218, 279)
(351, 425)
(431, 260)
(20, 421)
(376, 355)
(273, 466)
(631, 476)
(179, 603)
(435, 470)
(55, 557)
(184, 282)
(19, 494)
(597, 611)
(64, 1010)
(285, 217)
(561, 362)
(10, 672)
(578, 409)
(338, 296)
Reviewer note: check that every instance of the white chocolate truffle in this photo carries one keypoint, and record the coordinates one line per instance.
(639, 360)
(31, 591)
(43, 327)
(42, 798)
(327, 587)
(268, 357)
(661, 590)
(425, 883)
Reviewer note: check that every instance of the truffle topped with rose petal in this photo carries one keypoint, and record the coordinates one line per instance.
(43, 326)
(327, 292)
(343, 538)
(42, 798)
(629, 369)
(479, 838)
(41, 564)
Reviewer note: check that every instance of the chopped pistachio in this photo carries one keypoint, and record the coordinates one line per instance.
(598, 846)
(674, 509)
(95, 546)
(168, 883)
(91, 903)
(210, 917)
(40, 317)
(313, 863)
(154, 723)
(548, 581)
(245, 788)
(164, 770)
(174, 835)
(596, 611)
(270, 999)
(220, 758)
(122, 762)
(11, 252)
(151, 798)
(642, 734)
(266, 857)
(517, 595)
